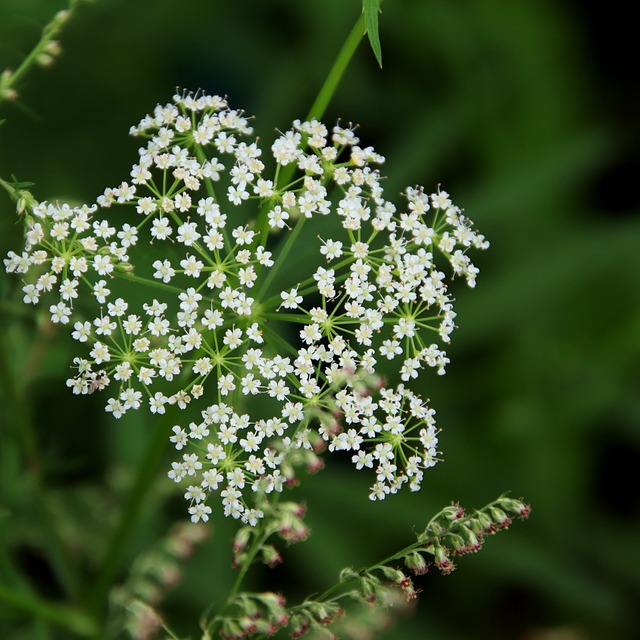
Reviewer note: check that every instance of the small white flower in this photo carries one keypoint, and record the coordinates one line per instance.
(60, 313)
(291, 299)
(103, 265)
(161, 229)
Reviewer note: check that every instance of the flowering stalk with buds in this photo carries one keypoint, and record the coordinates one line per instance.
(43, 54)
(448, 534)
(180, 288)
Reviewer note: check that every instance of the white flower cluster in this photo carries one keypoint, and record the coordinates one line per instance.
(211, 329)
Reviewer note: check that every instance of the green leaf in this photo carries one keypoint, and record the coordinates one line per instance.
(17, 185)
(371, 9)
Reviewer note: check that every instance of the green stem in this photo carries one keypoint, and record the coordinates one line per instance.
(74, 621)
(281, 257)
(8, 188)
(319, 106)
(157, 284)
(129, 517)
(242, 572)
(284, 345)
(340, 65)
(331, 83)
(49, 32)
(418, 544)
(257, 544)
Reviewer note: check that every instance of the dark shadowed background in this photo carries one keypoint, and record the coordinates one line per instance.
(527, 113)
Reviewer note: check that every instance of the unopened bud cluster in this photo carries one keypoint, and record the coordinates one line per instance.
(315, 615)
(254, 614)
(374, 295)
(450, 533)
(44, 54)
(285, 520)
(454, 533)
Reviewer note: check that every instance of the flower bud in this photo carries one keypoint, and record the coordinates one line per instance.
(44, 59)
(275, 603)
(348, 574)
(53, 48)
(297, 509)
(464, 542)
(251, 625)
(6, 90)
(184, 537)
(125, 267)
(453, 512)
(473, 542)
(314, 463)
(443, 562)
(416, 563)
(482, 523)
(170, 575)
(299, 626)
(238, 560)
(294, 530)
(500, 518)
(143, 621)
(408, 589)
(394, 575)
(291, 527)
(241, 539)
(516, 507)
(25, 201)
(325, 612)
(435, 529)
(270, 556)
(231, 630)
(456, 542)
(61, 17)
(369, 588)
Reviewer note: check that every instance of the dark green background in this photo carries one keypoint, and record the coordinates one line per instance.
(526, 112)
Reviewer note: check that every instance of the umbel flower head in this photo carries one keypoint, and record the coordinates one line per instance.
(281, 362)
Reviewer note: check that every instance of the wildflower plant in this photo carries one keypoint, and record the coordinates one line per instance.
(205, 334)
(177, 285)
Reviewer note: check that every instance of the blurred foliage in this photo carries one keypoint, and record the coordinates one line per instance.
(517, 109)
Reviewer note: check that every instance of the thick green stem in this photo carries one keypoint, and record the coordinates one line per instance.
(331, 83)
(319, 106)
(340, 65)
(256, 546)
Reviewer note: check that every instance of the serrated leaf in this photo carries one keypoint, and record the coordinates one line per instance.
(371, 9)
